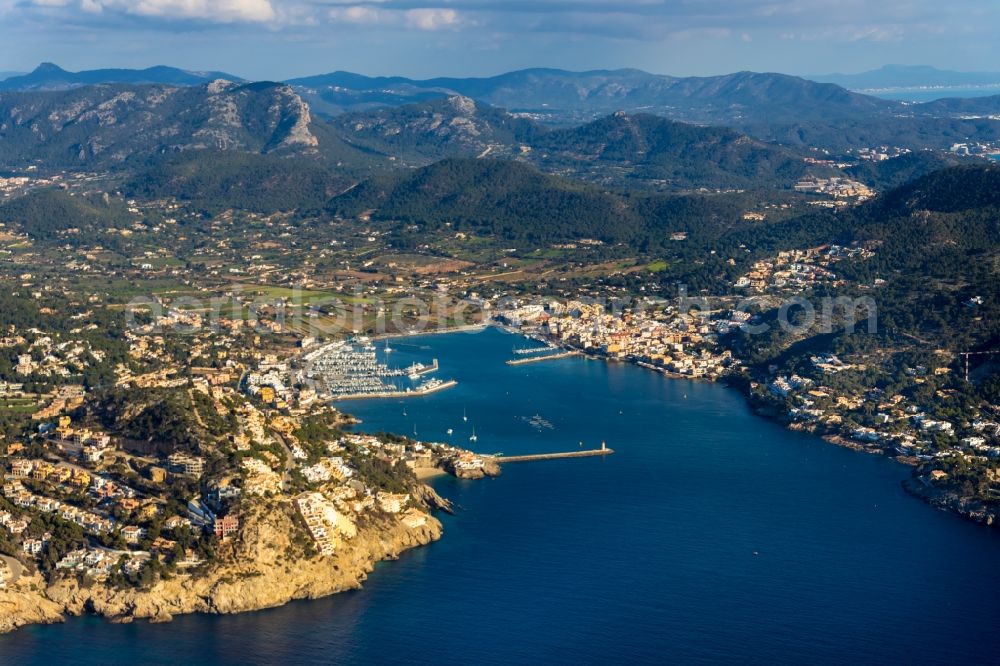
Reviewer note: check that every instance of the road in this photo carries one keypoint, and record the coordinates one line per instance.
(15, 568)
(286, 478)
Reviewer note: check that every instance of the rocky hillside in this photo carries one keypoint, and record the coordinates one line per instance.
(264, 568)
(456, 126)
(621, 149)
(106, 125)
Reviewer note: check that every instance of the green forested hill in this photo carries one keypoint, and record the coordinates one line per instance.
(508, 200)
(261, 183)
(514, 202)
(45, 214)
(935, 272)
(897, 171)
(666, 154)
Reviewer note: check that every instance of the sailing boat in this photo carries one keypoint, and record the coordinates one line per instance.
(465, 417)
(473, 438)
(450, 430)
(388, 349)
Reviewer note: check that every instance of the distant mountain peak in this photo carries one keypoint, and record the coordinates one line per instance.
(49, 68)
(220, 86)
(464, 105)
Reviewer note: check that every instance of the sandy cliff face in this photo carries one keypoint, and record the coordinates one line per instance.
(24, 602)
(263, 569)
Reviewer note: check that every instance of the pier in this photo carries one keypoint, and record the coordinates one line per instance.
(546, 357)
(589, 453)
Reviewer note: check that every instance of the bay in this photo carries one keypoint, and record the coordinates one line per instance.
(710, 535)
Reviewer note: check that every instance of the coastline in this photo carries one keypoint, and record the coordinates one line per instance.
(254, 575)
(464, 328)
(913, 486)
(425, 473)
(257, 575)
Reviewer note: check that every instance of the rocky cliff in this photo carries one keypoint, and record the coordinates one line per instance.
(265, 567)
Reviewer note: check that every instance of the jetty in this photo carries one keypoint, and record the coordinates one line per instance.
(546, 357)
(533, 350)
(589, 453)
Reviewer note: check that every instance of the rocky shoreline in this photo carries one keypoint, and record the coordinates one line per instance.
(916, 486)
(261, 569)
(967, 508)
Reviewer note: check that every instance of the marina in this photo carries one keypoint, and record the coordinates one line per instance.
(432, 386)
(352, 369)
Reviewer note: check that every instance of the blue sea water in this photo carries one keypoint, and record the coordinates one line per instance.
(711, 535)
(932, 94)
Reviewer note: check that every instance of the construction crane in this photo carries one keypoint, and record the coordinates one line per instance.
(978, 353)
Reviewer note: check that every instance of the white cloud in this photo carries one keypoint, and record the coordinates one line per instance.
(432, 18)
(356, 14)
(420, 18)
(221, 11)
(654, 21)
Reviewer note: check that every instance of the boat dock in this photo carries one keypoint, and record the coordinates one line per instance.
(546, 357)
(589, 453)
(418, 369)
(412, 393)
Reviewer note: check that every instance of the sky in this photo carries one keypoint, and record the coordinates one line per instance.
(280, 39)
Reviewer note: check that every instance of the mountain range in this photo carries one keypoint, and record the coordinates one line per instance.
(563, 95)
(783, 128)
(117, 125)
(740, 99)
(548, 93)
(48, 76)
